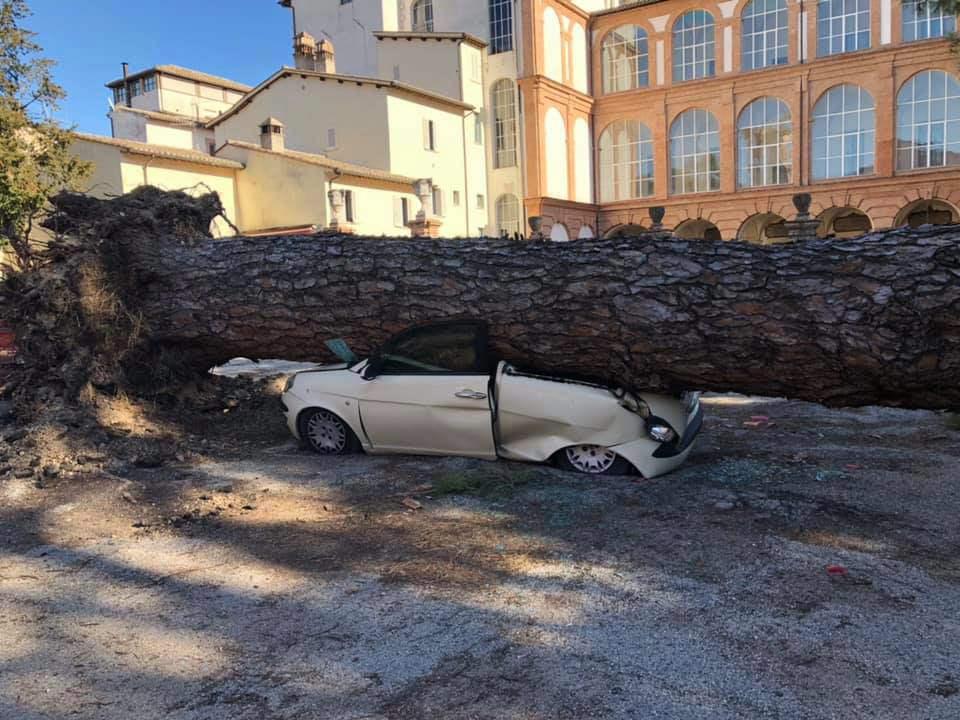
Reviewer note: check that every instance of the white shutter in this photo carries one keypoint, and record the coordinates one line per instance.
(356, 206)
(398, 212)
(426, 134)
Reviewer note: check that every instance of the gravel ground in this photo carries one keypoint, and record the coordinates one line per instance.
(269, 583)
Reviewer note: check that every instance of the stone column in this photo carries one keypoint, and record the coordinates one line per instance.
(803, 227)
(338, 212)
(425, 224)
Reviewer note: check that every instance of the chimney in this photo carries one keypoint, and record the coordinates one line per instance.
(326, 63)
(305, 51)
(126, 90)
(271, 135)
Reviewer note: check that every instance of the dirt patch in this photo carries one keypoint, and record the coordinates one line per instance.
(801, 570)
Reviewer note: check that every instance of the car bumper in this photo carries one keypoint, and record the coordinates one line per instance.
(653, 459)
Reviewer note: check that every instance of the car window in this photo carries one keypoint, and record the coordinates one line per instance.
(448, 348)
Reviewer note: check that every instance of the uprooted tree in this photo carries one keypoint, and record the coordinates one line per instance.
(869, 321)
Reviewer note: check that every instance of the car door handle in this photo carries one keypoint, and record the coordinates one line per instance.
(471, 395)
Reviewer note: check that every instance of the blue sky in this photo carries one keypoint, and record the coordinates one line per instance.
(244, 40)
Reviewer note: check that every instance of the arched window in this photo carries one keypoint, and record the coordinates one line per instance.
(694, 152)
(842, 26)
(843, 133)
(693, 46)
(928, 121)
(508, 215)
(555, 132)
(764, 143)
(504, 124)
(501, 26)
(552, 45)
(421, 16)
(764, 34)
(578, 57)
(625, 63)
(582, 157)
(924, 19)
(626, 161)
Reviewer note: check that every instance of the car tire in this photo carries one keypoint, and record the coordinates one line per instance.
(326, 433)
(592, 460)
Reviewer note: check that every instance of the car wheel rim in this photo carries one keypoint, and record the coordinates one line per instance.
(591, 459)
(327, 433)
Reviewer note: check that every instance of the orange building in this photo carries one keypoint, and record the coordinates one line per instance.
(721, 111)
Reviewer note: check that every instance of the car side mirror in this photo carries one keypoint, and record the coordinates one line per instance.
(373, 368)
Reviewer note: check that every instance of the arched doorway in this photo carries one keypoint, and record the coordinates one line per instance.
(843, 222)
(927, 212)
(697, 229)
(625, 231)
(763, 229)
(558, 233)
(586, 233)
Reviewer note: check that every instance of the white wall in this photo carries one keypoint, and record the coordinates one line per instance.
(446, 166)
(309, 107)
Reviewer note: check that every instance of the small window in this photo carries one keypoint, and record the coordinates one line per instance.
(396, 72)
(134, 88)
(350, 206)
(120, 95)
(457, 348)
(212, 147)
(331, 138)
(401, 212)
(429, 135)
(150, 83)
(481, 202)
(456, 198)
(438, 202)
(477, 129)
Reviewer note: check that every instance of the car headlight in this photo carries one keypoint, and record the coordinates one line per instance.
(661, 432)
(288, 385)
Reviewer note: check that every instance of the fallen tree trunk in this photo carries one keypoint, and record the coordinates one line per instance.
(874, 320)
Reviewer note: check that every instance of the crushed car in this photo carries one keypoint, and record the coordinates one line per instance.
(437, 389)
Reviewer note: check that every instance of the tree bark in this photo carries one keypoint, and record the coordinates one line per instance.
(874, 320)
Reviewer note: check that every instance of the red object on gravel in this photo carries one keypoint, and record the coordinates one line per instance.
(8, 344)
(836, 571)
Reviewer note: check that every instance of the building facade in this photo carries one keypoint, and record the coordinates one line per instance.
(721, 111)
(595, 111)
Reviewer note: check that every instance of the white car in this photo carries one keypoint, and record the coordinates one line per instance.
(436, 390)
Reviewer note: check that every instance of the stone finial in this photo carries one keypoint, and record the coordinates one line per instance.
(802, 227)
(425, 224)
(656, 216)
(338, 212)
(536, 227)
(423, 189)
(801, 201)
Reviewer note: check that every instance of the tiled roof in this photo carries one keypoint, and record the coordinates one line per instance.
(159, 151)
(166, 117)
(356, 79)
(465, 37)
(344, 168)
(186, 74)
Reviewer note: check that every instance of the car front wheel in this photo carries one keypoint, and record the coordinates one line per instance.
(592, 460)
(327, 434)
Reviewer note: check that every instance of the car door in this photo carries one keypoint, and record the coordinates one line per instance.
(429, 395)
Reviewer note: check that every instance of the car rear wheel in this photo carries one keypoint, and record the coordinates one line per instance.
(592, 460)
(327, 434)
